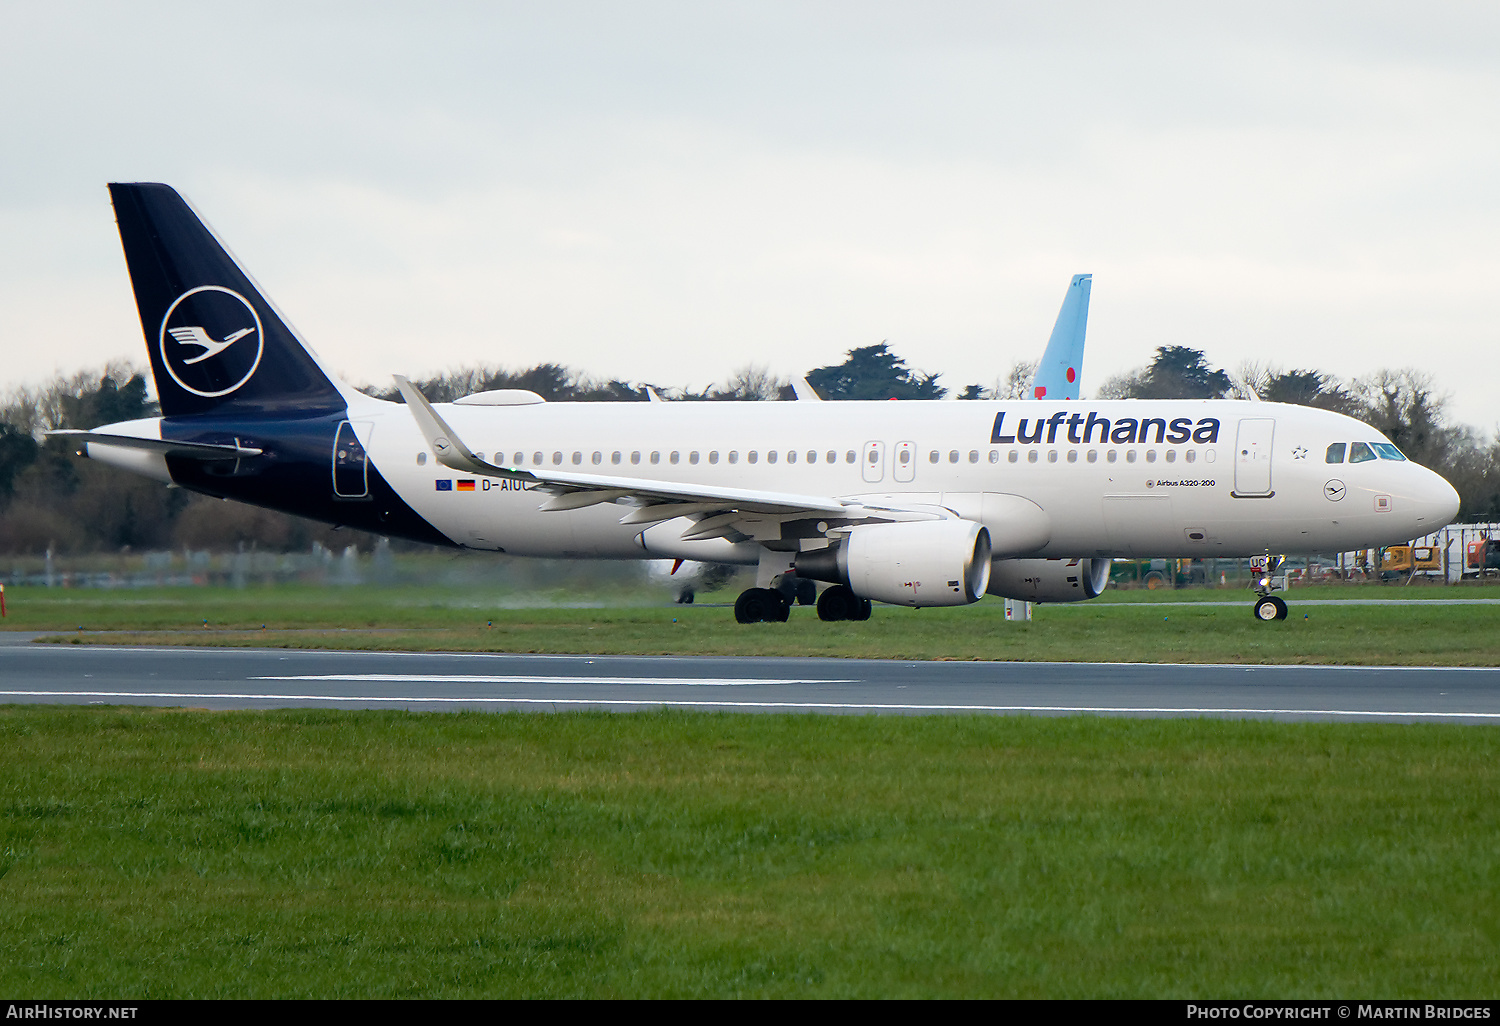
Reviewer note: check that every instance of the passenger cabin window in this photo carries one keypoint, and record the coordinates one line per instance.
(1359, 452)
(1013, 457)
(973, 455)
(952, 455)
(1111, 456)
(751, 456)
(693, 458)
(812, 457)
(1052, 456)
(655, 458)
(1335, 453)
(577, 458)
(849, 456)
(1072, 455)
(421, 459)
(734, 457)
(1031, 456)
(520, 458)
(771, 456)
(713, 457)
(536, 458)
(672, 459)
(833, 457)
(557, 459)
(994, 455)
(934, 456)
(614, 458)
(1093, 456)
(1150, 455)
(635, 459)
(597, 458)
(791, 457)
(1191, 455)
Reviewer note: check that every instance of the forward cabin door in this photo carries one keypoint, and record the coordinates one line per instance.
(1252, 458)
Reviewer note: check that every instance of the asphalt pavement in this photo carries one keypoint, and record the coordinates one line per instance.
(238, 678)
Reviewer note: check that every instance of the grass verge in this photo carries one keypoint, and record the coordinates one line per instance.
(172, 853)
(1190, 630)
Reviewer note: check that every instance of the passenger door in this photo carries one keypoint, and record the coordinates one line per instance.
(351, 464)
(1252, 458)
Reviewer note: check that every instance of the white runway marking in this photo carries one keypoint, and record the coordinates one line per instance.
(509, 678)
(659, 703)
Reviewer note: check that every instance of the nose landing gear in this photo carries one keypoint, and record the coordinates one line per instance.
(1267, 606)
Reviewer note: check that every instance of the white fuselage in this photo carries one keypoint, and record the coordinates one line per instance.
(1215, 478)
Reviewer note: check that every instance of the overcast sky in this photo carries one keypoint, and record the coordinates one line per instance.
(665, 192)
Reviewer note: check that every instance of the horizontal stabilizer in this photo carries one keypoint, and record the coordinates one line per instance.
(166, 447)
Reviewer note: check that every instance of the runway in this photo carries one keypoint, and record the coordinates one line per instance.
(228, 678)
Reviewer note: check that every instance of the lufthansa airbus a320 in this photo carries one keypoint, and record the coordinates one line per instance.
(910, 503)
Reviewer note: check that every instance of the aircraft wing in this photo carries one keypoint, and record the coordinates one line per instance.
(655, 500)
(166, 447)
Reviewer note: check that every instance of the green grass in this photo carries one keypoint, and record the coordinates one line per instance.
(1117, 627)
(150, 853)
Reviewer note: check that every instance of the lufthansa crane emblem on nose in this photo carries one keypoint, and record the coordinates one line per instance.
(211, 341)
(1333, 490)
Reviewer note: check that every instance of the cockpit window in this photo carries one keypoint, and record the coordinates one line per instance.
(1387, 451)
(1336, 453)
(1359, 452)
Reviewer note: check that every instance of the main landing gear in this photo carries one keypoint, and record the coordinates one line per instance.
(839, 603)
(762, 605)
(774, 605)
(1267, 606)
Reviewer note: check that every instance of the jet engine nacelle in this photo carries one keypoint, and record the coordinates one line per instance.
(1049, 580)
(921, 563)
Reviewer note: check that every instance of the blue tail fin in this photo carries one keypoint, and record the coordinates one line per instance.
(1061, 370)
(216, 344)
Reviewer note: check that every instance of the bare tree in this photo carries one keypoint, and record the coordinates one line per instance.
(1405, 406)
(1125, 385)
(1251, 378)
(1017, 383)
(753, 381)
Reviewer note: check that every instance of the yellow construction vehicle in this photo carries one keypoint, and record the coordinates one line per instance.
(1397, 561)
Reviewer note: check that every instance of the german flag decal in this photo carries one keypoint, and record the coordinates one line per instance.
(466, 486)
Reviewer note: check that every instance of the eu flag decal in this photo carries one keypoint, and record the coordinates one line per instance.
(466, 486)
(444, 485)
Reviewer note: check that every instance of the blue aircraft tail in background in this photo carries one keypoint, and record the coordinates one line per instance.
(1061, 370)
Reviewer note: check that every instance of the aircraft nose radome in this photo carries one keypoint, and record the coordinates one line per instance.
(1439, 504)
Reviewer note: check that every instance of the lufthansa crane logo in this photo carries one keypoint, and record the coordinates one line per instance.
(211, 341)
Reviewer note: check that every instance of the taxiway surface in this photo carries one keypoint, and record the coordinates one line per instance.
(225, 678)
